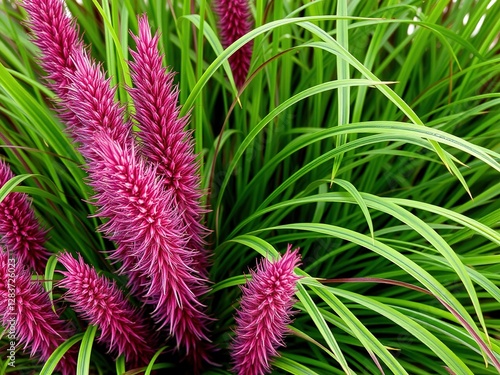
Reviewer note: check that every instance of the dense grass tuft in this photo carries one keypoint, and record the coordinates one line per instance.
(366, 134)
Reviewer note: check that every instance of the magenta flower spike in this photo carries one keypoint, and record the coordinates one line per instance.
(151, 238)
(234, 22)
(20, 231)
(28, 318)
(164, 139)
(99, 301)
(264, 314)
(56, 34)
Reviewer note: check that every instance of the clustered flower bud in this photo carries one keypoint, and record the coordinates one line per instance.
(151, 204)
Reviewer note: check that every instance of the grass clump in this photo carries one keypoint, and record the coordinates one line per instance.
(365, 133)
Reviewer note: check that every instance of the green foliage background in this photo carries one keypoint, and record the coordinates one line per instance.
(367, 135)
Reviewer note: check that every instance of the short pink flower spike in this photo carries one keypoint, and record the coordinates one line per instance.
(264, 314)
(100, 302)
(234, 22)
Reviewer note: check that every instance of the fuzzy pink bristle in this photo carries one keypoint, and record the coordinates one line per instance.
(92, 101)
(165, 142)
(151, 238)
(150, 231)
(56, 35)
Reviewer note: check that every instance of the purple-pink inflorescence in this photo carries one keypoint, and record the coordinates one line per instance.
(164, 139)
(56, 34)
(264, 314)
(100, 302)
(86, 100)
(20, 231)
(28, 315)
(234, 22)
(151, 238)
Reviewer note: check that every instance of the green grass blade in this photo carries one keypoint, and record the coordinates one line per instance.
(49, 277)
(83, 363)
(344, 98)
(51, 363)
(317, 317)
(416, 330)
(351, 189)
(292, 367)
(153, 360)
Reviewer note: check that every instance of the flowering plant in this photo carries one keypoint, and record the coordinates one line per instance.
(159, 162)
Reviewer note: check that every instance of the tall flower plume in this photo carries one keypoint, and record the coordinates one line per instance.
(56, 34)
(265, 311)
(20, 231)
(150, 237)
(165, 142)
(86, 98)
(234, 22)
(28, 315)
(100, 302)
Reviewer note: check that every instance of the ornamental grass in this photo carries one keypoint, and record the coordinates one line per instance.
(250, 188)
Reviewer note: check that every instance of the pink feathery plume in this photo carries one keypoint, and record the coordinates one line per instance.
(100, 302)
(151, 238)
(234, 22)
(264, 314)
(164, 139)
(91, 100)
(28, 318)
(86, 99)
(56, 34)
(20, 231)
